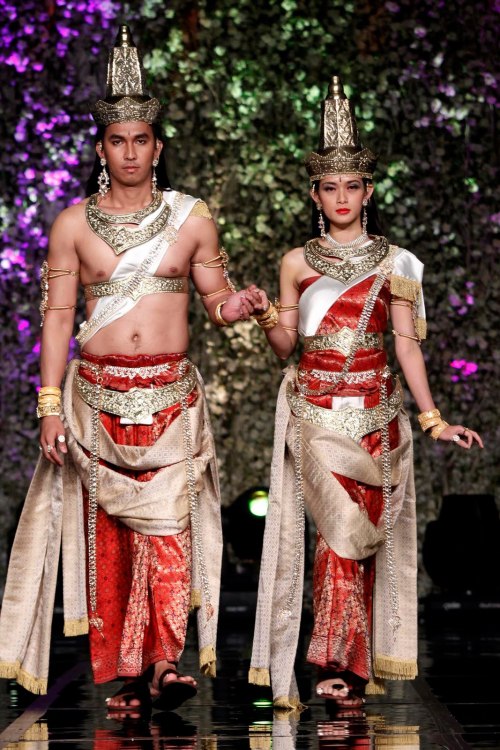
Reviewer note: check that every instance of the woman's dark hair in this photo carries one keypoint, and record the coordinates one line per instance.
(92, 185)
(374, 226)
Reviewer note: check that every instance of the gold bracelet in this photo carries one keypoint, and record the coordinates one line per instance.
(425, 416)
(50, 409)
(45, 390)
(269, 318)
(218, 315)
(438, 429)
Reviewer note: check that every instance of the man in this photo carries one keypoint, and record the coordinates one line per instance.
(127, 477)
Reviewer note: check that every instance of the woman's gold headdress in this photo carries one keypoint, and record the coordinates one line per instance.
(124, 82)
(340, 149)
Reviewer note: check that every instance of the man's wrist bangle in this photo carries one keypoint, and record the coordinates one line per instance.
(218, 315)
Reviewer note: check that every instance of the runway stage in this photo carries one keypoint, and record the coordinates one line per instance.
(454, 703)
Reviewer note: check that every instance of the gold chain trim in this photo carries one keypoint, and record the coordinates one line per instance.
(349, 377)
(147, 285)
(345, 270)
(137, 403)
(355, 423)
(342, 341)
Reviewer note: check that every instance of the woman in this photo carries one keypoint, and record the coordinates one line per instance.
(342, 442)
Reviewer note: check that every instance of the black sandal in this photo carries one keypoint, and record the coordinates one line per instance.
(173, 693)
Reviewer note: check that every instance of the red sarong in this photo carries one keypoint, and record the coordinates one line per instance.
(143, 582)
(342, 588)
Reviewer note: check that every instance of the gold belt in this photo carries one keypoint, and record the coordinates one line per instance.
(147, 285)
(342, 341)
(355, 423)
(137, 403)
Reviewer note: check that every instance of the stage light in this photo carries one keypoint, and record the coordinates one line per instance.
(258, 503)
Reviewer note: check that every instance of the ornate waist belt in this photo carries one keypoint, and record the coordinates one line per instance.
(342, 341)
(137, 403)
(147, 285)
(355, 423)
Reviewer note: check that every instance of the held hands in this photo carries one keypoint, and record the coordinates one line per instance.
(52, 440)
(462, 436)
(241, 305)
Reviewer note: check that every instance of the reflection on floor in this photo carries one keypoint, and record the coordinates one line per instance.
(455, 703)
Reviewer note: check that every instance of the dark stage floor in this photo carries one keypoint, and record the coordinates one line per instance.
(455, 703)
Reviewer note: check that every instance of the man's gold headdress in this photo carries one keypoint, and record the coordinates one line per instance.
(125, 81)
(340, 149)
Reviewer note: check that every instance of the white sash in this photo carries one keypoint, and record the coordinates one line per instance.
(144, 258)
(318, 298)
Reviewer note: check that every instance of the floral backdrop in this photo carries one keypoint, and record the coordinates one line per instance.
(242, 82)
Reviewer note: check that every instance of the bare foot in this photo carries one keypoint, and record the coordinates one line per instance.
(131, 697)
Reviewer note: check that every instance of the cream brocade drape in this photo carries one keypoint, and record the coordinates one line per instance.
(53, 517)
(348, 531)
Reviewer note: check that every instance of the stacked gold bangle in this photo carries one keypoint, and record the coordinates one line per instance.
(49, 401)
(218, 315)
(269, 318)
(431, 420)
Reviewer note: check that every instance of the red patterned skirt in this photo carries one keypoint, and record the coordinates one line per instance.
(143, 582)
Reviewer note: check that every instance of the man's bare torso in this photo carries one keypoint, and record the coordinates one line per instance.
(159, 322)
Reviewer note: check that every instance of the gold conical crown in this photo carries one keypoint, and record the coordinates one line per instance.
(125, 79)
(340, 148)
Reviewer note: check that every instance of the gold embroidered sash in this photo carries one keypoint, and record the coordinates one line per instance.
(342, 341)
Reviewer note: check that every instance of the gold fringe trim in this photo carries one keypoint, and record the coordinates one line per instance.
(284, 702)
(421, 328)
(259, 676)
(13, 671)
(390, 668)
(261, 737)
(195, 599)
(406, 288)
(36, 733)
(208, 661)
(76, 627)
(375, 687)
(397, 740)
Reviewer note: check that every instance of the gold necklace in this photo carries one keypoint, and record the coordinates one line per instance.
(345, 270)
(132, 218)
(119, 238)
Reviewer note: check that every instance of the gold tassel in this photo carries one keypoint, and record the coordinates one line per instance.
(76, 627)
(405, 288)
(259, 676)
(421, 328)
(208, 661)
(375, 687)
(395, 669)
(195, 599)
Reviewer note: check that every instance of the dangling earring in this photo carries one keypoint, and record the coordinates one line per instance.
(103, 179)
(364, 218)
(321, 221)
(154, 179)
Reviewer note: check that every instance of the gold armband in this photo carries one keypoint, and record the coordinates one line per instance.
(289, 328)
(219, 261)
(283, 308)
(212, 294)
(47, 274)
(218, 315)
(268, 319)
(49, 401)
(406, 336)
